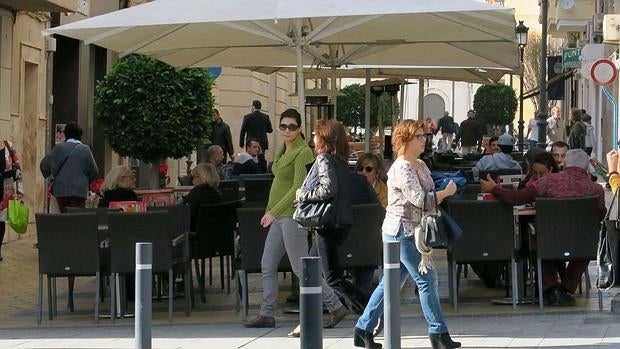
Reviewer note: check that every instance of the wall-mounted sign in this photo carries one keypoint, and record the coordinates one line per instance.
(571, 58)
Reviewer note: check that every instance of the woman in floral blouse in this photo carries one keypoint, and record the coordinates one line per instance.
(410, 186)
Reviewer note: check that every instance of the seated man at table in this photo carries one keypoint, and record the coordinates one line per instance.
(247, 162)
(573, 182)
(215, 157)
(559, 150)
(501, 160)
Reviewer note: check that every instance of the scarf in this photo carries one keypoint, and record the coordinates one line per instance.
(426, 260)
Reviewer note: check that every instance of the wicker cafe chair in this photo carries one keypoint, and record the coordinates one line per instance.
(363, 245)
(257, 191)
(252, 238)
(484, 239)
(230, 190)
(68, 247)
(127, 229)
(214, 237)
(180, 215)
(566, 230)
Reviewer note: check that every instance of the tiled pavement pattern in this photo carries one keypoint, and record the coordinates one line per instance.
(478, 324)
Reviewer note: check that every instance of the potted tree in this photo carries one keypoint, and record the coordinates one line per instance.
(150, 111)
(495, 106)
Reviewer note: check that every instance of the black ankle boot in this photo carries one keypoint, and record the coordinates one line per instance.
(364, 339)
(443, 341)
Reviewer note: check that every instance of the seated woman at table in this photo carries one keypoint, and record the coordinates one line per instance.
(612, 166)
(205, 180)
(541, 165)
(370, 166)
(118, 185)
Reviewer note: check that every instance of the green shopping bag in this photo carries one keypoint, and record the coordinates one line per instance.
(18, 216)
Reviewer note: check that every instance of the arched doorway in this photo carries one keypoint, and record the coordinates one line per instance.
(434, 106)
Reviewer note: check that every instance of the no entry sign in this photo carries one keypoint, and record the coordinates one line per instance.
(603, 72)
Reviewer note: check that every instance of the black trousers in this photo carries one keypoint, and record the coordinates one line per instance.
(325, 244)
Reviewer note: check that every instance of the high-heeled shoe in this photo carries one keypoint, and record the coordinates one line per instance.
(363, 339)
(296, 333)
(443, 341)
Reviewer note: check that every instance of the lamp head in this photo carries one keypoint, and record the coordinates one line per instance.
(521, 31)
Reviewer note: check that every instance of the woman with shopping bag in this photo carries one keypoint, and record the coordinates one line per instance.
(11, 185)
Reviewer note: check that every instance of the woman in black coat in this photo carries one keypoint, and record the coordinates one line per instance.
(118, 185)
(206, 181)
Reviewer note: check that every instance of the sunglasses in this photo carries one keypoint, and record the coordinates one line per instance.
(290, 127)
(366, 168)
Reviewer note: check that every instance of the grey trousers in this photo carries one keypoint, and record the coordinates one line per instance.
(286, 236)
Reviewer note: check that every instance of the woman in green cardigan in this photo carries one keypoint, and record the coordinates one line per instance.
(285, 235)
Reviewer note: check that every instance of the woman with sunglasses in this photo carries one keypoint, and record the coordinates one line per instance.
(410, 192)
(285, 235)
(370, 166)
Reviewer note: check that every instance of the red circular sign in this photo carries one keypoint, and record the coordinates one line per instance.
(603, 72)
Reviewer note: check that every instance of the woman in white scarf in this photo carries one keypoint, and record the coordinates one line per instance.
(410, 189)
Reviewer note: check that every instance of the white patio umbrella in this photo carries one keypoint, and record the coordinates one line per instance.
(234, 33)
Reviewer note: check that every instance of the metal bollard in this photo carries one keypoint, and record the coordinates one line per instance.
(391, 275)
(144, 295)
(311, 304)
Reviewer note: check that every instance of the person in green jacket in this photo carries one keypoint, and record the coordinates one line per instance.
(285, 235)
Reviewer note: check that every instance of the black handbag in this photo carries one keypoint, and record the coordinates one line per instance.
(440, 230)
(434, 226)
(607, 253)
(315, 214)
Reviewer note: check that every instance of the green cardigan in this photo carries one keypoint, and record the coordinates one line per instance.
(289, 171)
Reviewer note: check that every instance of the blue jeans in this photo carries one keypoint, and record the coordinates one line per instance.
(427, 286)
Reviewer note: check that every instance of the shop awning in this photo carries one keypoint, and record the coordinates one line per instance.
(558, 79)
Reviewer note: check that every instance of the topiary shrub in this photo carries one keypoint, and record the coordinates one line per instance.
(495, 104)
(151, 111)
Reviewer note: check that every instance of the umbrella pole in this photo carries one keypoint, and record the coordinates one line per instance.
(402, 100)
(334, 94)
(301, 88)
(420, 99)
(367, 113)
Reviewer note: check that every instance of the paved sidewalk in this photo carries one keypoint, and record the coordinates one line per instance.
(531, 331)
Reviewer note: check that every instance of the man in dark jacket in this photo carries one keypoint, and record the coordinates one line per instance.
(256, 125)
(447, 127)
(221, 136)
(470, 133)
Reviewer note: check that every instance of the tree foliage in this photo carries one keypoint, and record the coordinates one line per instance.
(151, 111)
(495, 104)
(352, 106)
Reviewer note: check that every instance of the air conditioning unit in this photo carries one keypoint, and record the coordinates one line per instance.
(611, 28)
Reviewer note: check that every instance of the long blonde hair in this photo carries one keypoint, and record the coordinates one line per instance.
(113, 177)
(207, 174)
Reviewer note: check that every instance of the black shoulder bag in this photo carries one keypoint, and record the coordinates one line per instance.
(607, 253)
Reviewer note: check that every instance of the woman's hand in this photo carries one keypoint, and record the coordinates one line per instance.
(297, 195)
(450, 188)
(267, 219)
(487, 185)
(612, 161)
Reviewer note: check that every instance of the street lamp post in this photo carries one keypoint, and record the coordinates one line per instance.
(521, 31)
(541, 118)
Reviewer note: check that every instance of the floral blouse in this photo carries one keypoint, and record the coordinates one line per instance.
(408, 184)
